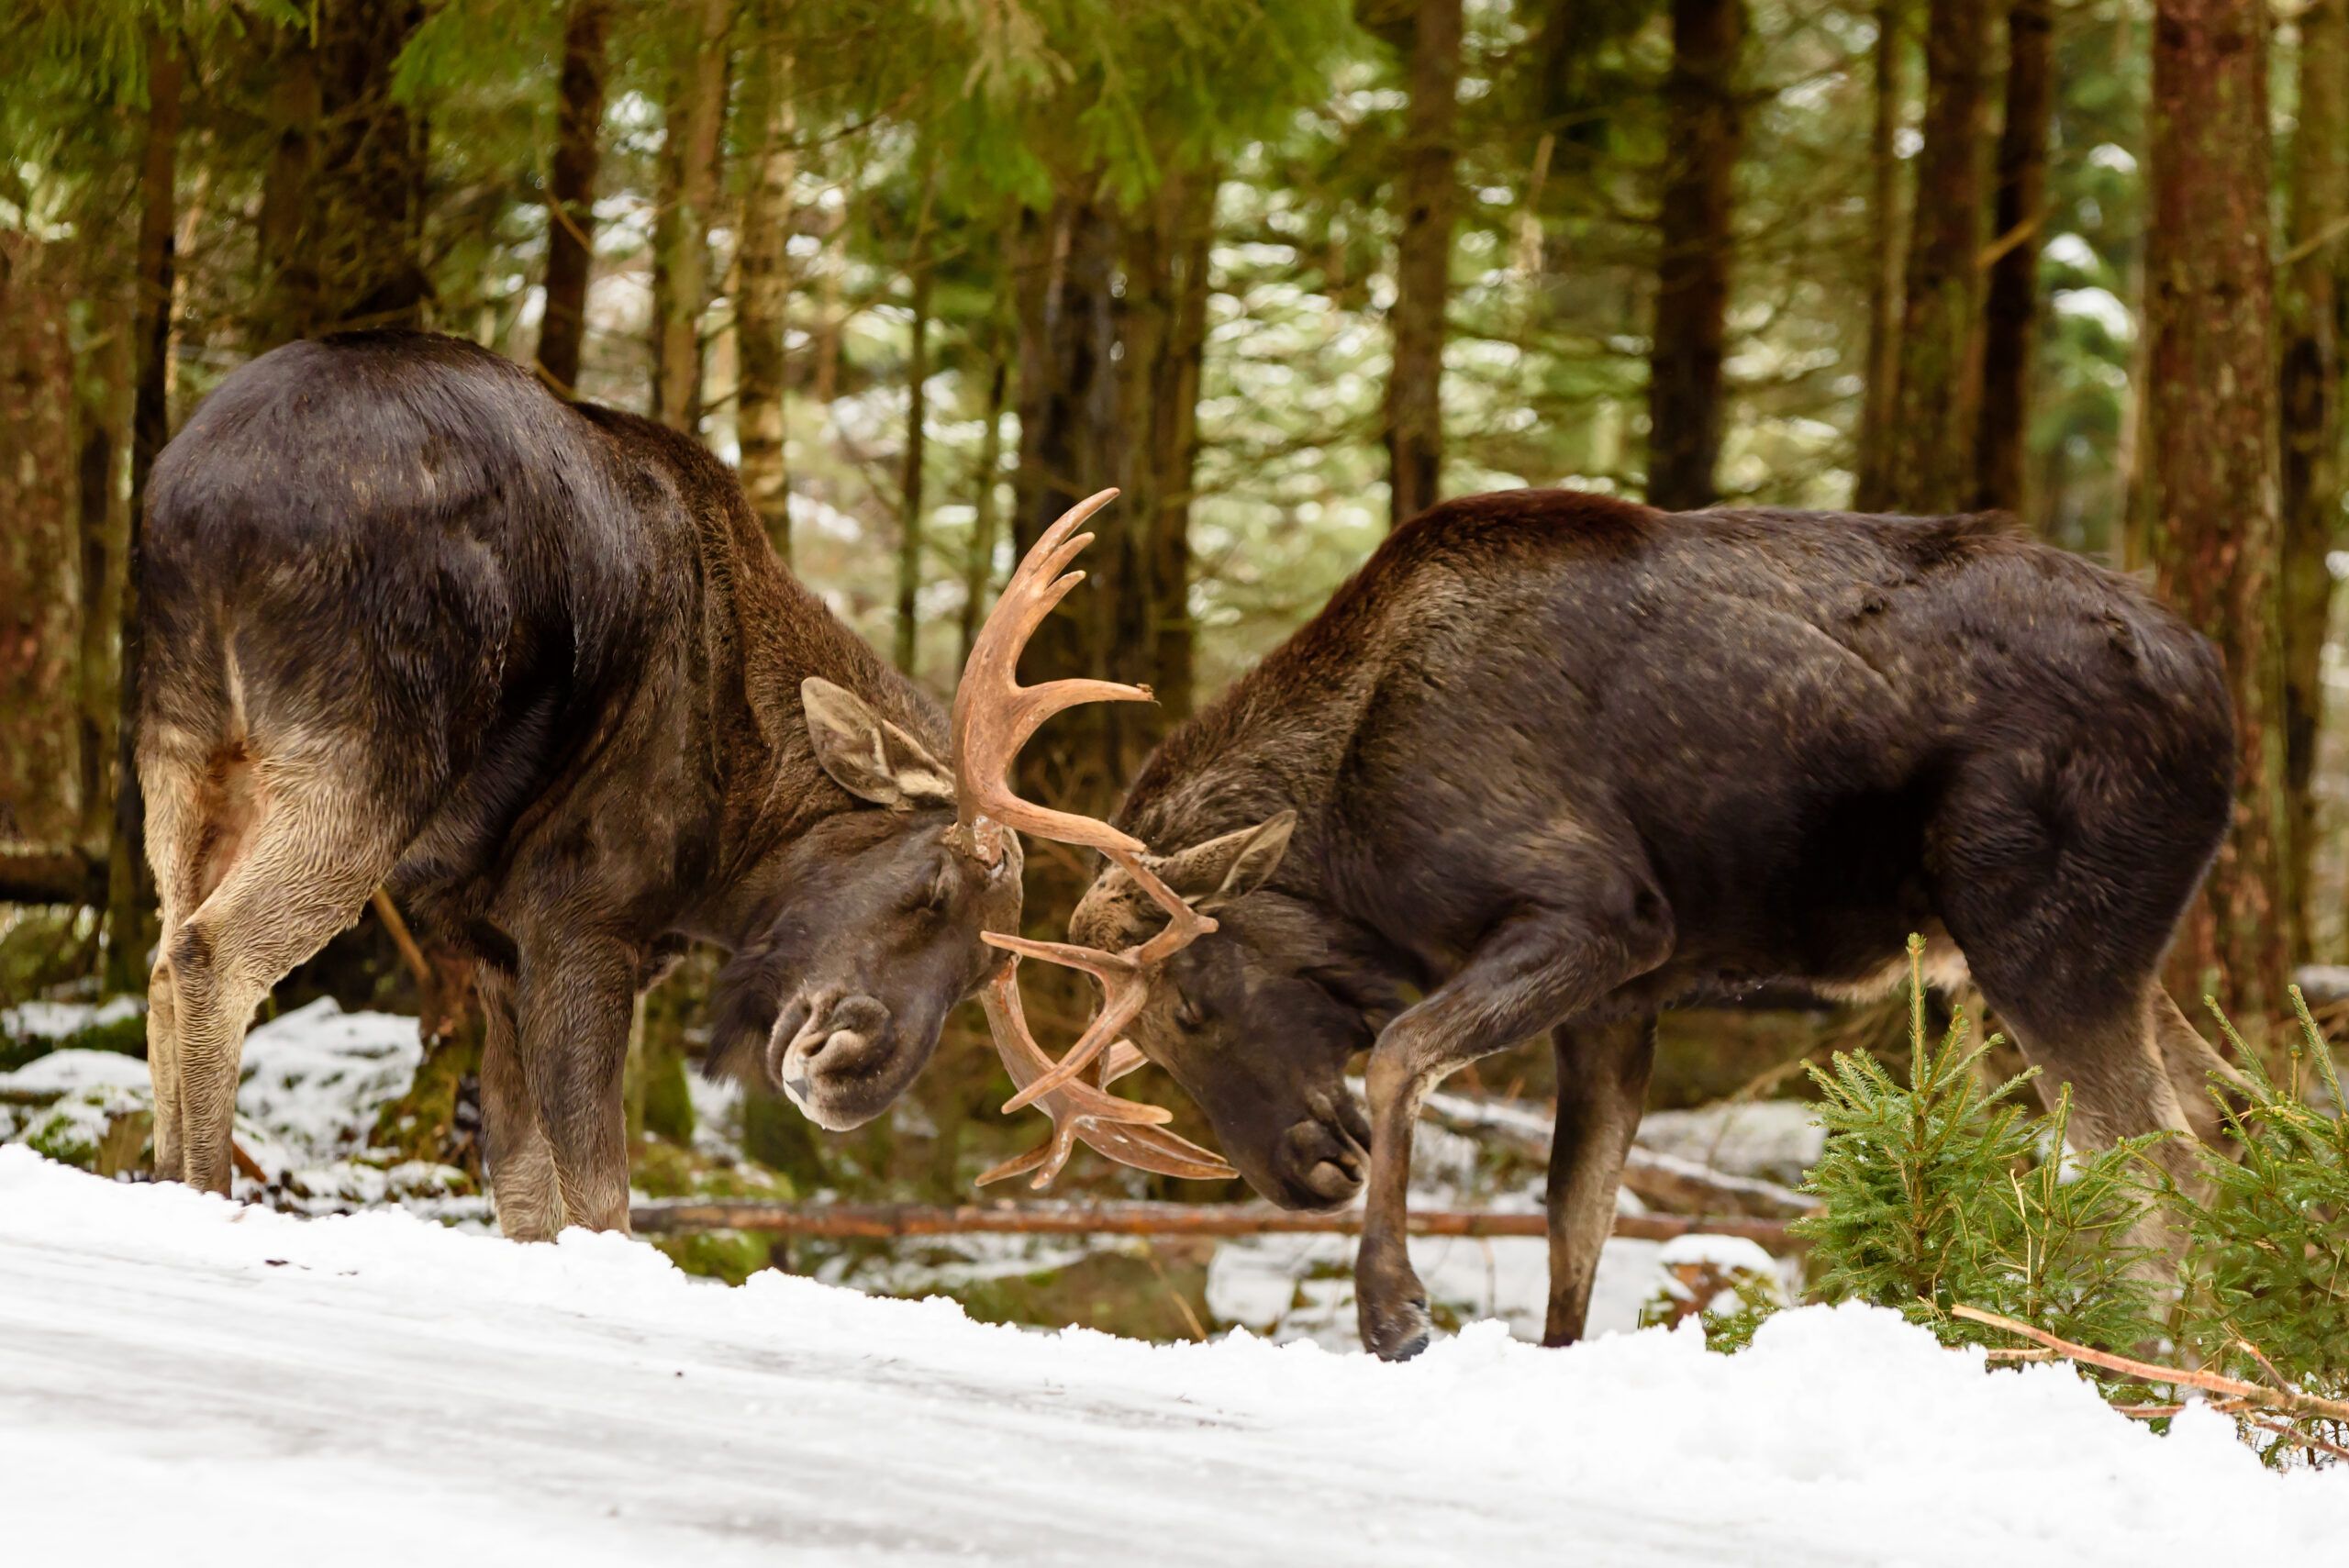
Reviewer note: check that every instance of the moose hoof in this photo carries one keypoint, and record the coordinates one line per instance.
(1396, 1332)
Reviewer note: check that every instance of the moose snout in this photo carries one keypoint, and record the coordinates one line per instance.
(842, 1042)
(1322, 1163)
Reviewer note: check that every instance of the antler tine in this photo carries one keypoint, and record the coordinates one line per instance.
(1124, 976)
(1121, 1129)
(993, 716)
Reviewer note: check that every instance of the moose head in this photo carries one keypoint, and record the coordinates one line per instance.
(894, 915)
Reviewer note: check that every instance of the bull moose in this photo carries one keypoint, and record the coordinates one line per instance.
(409, 619)
(1551, 761)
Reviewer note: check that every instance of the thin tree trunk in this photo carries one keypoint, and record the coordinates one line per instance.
(761, 312)
(1069, 447)
(287, 290)
(40, 545)
(978, 564)
(909, 489)
(1937, 407)
(105, 424)
(1702, 142)
(365, 189)
(1872, 482)
(1176, 449)
(128, 884)
(2211, 452)
(1425, 200)
(2310, 367)
(2010, 316)
(696, 120)
(571, 192)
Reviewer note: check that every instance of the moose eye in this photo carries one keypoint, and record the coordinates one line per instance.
(1186, 1012)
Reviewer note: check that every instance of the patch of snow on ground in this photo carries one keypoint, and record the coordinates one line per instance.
(1779, 1140)
(55, 1021)
(270, 1390)
(313, 1082)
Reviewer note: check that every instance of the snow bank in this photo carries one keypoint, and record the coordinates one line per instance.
(241, 1386)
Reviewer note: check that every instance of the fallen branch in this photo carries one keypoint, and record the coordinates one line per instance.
(413, 956)
(889, 1221)
(1668, 1181)
(50, 876)
(2285, 1401)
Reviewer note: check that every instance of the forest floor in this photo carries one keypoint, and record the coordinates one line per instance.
(228, 1384)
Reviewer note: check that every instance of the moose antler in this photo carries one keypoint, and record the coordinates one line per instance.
(993, 716)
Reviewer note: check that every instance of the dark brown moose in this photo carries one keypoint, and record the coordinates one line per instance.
(1551, 761)
(409, 619)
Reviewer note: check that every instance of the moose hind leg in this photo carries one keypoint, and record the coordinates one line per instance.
(1602, 1085)
(520, 1159)
(312, 856)
(2196, 1068)
(577, 1001)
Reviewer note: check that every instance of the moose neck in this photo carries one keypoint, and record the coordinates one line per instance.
(763, 633)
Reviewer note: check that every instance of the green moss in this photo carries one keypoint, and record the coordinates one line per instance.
(730, 1255)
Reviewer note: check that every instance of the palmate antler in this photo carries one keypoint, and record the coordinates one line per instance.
(993, 716)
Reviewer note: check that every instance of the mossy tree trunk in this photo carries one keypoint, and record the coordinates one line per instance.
(1425, 200)
(571, 191)
(2011, 317)
(129, 886)
(695, 120)
(1872, 465)
(1704, 133)
(2308, 320)
(2209, 447)
(763, 307)
(1935, 409)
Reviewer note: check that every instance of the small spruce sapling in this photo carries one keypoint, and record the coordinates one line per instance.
(1940, 1192)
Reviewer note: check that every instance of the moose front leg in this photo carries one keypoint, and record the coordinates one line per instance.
(1534, 970)
(576, 999)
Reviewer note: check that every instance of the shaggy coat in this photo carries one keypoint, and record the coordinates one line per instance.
(1554, 759)
(410, 619)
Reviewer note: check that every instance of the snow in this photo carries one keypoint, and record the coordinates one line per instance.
(217, 1385)
(57, 1020)
(1776, 1139)
(313, 1082)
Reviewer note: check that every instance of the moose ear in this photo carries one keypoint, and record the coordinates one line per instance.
(867, 755)
(1231, 866)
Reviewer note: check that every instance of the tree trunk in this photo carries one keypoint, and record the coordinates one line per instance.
(129, 886)
(762, 314)
(2212, 524)
(1425, 199)
(696, 117)
(978, 563)
(571, 192)
(105, 415)
(909, 489)
(1163, 332)
(1937, 406)
(2310, 370)
(1176, 446)
(1702, 140)
(1871, 481)
(365, 230)
(39, 546)
(1069, 447)
(287, 289)
(2010, 316)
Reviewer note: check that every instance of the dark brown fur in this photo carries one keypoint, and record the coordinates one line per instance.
(1555, 761)
(537, 668)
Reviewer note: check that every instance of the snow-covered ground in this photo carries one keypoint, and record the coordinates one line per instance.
(185, 1379)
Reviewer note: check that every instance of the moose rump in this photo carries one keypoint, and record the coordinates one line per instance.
(357, 650)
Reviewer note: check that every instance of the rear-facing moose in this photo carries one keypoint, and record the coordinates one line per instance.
(409, 619)
(1552, 759)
